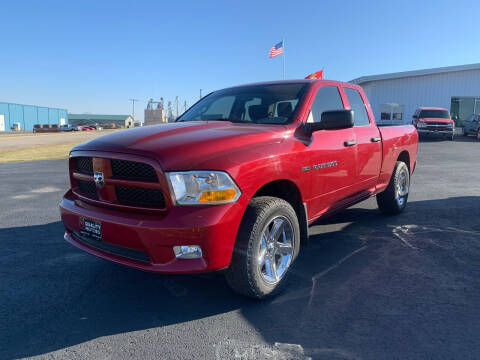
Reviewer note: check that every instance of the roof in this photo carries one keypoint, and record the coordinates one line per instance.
(96, 117)
(279, 82)
(37, 106)
(404, 74)
(432, 108)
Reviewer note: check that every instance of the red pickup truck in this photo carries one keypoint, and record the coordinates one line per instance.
(236, 181)
(431, 121)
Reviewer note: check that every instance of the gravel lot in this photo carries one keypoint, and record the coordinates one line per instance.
(367, 287)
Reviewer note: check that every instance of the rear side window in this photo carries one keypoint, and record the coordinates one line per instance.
(327, 98)
(360, 115)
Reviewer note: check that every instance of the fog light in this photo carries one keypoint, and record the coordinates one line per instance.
(187, 251)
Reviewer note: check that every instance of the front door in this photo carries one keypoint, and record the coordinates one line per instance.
(2, 122)
(332, 156)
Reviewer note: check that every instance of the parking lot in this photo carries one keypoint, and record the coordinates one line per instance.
(368, 286)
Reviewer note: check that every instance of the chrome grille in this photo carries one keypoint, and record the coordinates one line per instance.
(133, 170)
(126, 182)
(436, 124)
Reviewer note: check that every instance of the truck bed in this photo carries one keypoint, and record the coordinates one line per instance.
(395, 141)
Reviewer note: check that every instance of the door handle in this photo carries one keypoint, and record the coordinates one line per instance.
(350, 143)
(376, 139)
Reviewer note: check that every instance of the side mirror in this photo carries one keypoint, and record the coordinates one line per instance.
(332, 120)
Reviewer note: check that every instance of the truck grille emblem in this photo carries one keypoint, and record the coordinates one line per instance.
(98, 178)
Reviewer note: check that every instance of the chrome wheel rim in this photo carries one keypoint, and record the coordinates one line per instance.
(275, 252)
(402, 187)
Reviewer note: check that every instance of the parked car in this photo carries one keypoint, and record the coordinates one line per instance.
(88, 128)
(68, 127)
(234, 183)
(471, 126)
(16, 126)
(432, 121)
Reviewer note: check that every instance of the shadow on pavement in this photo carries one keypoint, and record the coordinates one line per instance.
(368, 285)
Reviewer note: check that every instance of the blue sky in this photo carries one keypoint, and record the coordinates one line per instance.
(92, 56)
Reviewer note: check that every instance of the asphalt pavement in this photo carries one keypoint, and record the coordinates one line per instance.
(368, 286)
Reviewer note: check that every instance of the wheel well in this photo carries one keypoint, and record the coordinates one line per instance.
(288, 191)
(405, 157)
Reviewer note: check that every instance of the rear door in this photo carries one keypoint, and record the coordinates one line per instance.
(332, 162)
(369, 144)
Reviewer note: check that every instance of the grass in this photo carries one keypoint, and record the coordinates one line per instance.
(39, 152)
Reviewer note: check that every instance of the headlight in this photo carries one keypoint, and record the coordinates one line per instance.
(450, 125)
(421, 125)
(203, 187)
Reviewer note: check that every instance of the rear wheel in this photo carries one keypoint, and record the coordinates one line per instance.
(267, 243)
(394, 199)
(464, 133)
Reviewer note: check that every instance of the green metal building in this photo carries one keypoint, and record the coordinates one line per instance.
(123, 121)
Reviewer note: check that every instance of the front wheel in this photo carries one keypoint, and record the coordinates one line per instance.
(394, 199)
(268, 242)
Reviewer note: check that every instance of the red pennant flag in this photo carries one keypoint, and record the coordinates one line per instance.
(316, 75)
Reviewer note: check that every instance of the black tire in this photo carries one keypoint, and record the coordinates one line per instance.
(244, 275)
(478, 134)
(464, 133)
(390, 201)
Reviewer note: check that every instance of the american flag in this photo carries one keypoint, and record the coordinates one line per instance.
(276, 50)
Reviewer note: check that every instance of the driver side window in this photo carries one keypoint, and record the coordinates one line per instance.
(327, 98)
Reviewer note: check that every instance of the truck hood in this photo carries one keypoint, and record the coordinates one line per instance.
(436, 120)
(183, 145)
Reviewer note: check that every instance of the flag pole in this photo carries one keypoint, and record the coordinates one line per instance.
(283, 45)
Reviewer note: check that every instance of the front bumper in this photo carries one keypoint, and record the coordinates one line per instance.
(449, 132)
(145, 241)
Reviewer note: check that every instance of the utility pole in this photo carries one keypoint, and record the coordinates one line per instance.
(185, 105)
(176, 105)
(169, 111)
(133, 107)
(200, 93)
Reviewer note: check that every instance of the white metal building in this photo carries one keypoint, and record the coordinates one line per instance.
(395, 97)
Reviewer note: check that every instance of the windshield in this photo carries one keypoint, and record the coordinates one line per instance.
(259, 104)
(439, 114)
